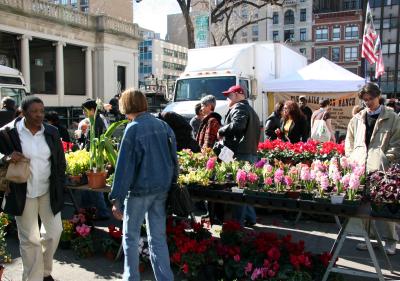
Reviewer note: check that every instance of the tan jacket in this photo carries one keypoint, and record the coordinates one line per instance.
(384, 147)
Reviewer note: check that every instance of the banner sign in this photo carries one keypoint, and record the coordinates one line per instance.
(341, 105)
(201, 31)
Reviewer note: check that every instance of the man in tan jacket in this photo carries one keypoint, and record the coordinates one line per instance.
(373, 139)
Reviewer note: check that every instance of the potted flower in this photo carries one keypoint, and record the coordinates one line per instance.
(5, 257)
(66, 234)
(77, 165)
(241, 180)
(336, 178)
(83, 243)
(110, 248)
(100, 150)
(307, 179)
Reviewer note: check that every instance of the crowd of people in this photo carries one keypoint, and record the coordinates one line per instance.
(150, 143)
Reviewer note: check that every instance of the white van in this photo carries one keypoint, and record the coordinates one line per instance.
(12, 84)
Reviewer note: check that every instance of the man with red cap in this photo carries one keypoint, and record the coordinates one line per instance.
(241, 134)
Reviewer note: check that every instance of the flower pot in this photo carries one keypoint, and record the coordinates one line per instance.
(275, 194)
(306, 196)
(293, 194)
(97, 179)
(337, 198)
(251, 192)
(75, 180)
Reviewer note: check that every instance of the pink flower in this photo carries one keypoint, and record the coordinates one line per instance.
(324, 182)
(345, 180)
(257, 272)
(354, 182)
(344, 162)
(211, 163)
(336, 176)
(252, 177)
(305, 173)
(83, 230)
(268, 168)
(236, 258)
(241, 177)
(268, 181)
(278, 175)
(288, 181)
(248, 268)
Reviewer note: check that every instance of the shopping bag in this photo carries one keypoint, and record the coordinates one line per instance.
(179, 201)
(320, 131)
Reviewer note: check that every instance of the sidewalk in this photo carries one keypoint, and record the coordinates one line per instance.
(318, 237)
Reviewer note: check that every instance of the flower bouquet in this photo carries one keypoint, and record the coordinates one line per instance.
(66, 234)
(83, 243)
(5, 257)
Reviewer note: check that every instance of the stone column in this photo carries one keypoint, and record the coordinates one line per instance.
(60, 71)
(25, 62)
(88, 72)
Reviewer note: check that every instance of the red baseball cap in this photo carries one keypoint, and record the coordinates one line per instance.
(234, 89)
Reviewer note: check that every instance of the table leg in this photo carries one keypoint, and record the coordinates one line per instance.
(72, 196)
(372, 255)
(381, 248)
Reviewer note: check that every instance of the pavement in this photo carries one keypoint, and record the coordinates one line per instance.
(318, 236)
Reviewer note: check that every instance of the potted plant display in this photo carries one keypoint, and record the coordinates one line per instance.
(101, 149)
(77, 165)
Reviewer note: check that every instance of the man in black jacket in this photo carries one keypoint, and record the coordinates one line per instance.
(7, 113)
(42, 194)
(241, 134)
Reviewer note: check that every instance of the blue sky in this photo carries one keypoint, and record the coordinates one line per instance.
(152, 14)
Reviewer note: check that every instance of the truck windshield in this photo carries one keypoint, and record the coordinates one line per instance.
(196, 88)
(16, 94)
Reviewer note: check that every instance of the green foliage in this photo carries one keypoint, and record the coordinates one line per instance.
(102, 149)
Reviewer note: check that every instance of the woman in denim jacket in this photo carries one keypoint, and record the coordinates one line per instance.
(146, 166)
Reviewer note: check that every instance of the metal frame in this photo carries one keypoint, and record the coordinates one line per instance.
(338, 244)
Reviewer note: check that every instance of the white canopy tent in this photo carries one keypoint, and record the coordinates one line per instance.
(320, 76)
(322, 79)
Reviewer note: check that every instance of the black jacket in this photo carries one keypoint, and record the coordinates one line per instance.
(6, 116)
(15, 202)
(297, 131)
(241, 131)
(273, 122)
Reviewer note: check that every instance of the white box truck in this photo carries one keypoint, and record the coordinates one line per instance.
(215, 69)
(12, 84)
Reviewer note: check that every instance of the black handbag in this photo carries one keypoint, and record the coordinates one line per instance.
(179, 201)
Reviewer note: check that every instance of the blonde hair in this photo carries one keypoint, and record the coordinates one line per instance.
(132, 101)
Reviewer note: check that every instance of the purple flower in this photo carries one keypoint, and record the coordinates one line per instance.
(354, 182)
(260, 163)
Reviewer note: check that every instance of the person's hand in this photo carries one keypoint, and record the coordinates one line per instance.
(16, 157)
(278, 133)
(117, 212)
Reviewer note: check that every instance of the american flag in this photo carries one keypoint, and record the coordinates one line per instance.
(368, 45)
(379, 66)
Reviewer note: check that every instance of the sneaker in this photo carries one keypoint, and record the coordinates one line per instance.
(363, 246)
(390, 248)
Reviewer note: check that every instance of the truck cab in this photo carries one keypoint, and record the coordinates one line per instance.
(12, 84)
(191, 88)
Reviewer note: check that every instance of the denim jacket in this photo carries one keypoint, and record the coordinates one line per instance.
(147, 161)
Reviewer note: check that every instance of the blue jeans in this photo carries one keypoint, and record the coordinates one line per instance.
(245, 212)
(151, 208)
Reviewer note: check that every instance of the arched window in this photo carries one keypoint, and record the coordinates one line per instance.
(289, 17)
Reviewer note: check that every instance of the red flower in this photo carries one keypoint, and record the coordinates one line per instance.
(325, 258)
(176, 258)
(274, 253)
(185, 268)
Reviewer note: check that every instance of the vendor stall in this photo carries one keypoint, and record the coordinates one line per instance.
(322, 79)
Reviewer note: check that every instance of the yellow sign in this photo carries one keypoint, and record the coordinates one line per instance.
(341, 105)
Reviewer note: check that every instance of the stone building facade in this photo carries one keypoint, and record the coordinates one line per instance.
(65, 55)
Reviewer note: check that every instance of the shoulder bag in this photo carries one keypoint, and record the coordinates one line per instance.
(320, 131)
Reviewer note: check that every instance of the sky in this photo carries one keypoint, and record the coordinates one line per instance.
(152, 14)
